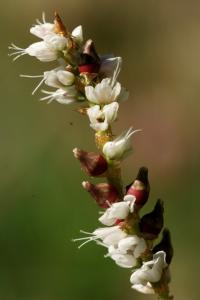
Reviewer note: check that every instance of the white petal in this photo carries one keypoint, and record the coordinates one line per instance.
(89, 92)
(124, 260)
(116, 91)
(77, 33)
(94, 112)
(65, 77)
(128, 243)
(42, 30)
(119, 210)
(42, 52)
(106, 220)
(110, 235)
(110, 111)
(140, 247)
(114, 237)
(103, 232)
(103, 91)
(145, 289)
(51, 79)
(56, 42)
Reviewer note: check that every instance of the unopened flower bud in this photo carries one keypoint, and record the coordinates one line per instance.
(140, 187)
(89, 59)
(104, 193)
(92, 163)
(165, 245)
(151, 224)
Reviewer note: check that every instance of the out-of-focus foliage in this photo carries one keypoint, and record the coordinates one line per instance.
(42, 203)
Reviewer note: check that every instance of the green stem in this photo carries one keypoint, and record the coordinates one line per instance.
(114, 177)
(113, 174)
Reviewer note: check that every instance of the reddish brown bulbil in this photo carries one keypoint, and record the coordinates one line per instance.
(92, 163)
(104, 193)
(165, 245)
(140, 187)
(89, 59)
(151, 224)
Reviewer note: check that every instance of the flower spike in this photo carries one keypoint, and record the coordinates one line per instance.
(80, 75)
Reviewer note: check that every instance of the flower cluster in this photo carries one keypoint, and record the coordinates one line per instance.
(85, 78)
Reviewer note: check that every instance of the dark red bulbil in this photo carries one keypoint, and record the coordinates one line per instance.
(151, 224)
(89, 59)
(92, 163)
(104, 193)
(165, 245)
(140, 187)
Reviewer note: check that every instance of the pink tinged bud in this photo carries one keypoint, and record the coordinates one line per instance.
(151, 224)
(92, 163)
(140, 188)
(104, 193)
(165, 245)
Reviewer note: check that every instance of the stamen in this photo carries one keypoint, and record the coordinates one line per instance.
(14, 47)
(85, 232)
(116, 72)
(81, 239)
(130, 132)
(38, 22)
(31, 76)
(84, 243)
(37, 87)
(18, 56)
(17, 51)
(43, 17)
(34, 76)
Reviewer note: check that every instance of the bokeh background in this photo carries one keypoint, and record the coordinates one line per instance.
(42, 204)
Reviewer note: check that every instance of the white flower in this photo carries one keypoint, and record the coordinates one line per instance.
(124, 260)
(57, 78)
(104, 92)
(100, 119)
(48, 50)
(42, 28)
(119, 210)
(110, 235)
(127, 251)
(40, 50)
(120, 147)
(67, 96)
(105, 236)
(150, 272)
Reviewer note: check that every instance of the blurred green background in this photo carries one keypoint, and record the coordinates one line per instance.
(42, 203)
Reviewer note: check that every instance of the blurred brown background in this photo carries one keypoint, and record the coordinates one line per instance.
(42, 203)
